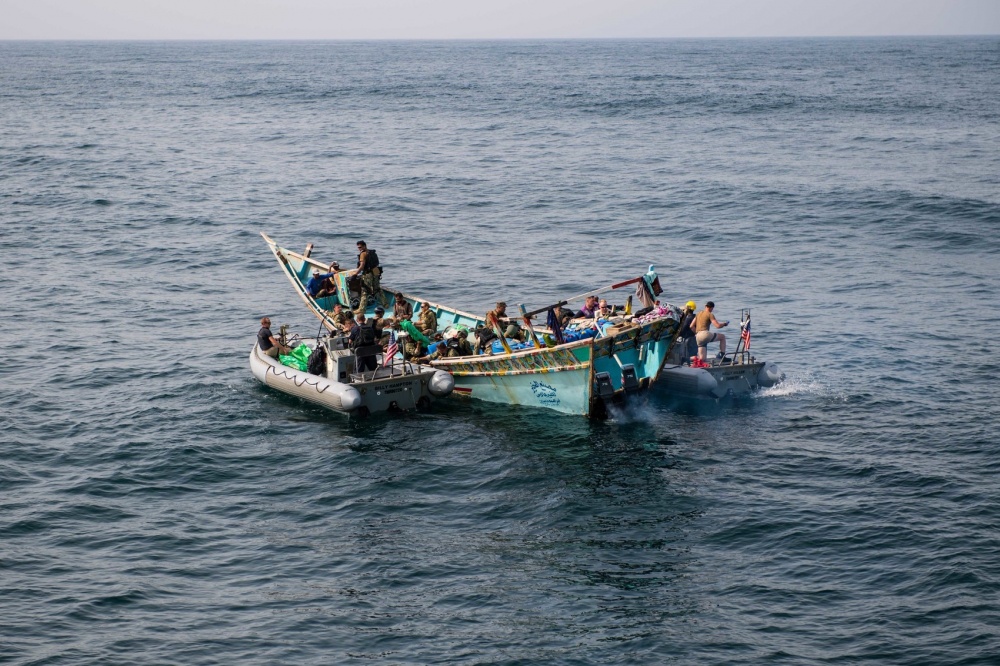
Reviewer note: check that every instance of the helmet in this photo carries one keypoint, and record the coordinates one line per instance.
(691, 305)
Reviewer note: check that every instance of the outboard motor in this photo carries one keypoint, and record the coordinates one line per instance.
(605, 389)
(630, 382)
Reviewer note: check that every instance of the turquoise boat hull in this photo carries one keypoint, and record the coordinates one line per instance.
(562, 389)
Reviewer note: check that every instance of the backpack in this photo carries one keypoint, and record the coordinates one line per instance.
(317, 362)
(484, 336)
(372, 259)
(366, 337)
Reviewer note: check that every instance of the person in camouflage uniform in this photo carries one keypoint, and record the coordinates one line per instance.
(428, 322)
(371, 277)
(381, 324)
(499, 314)
(459, 345)
(412, 348)
(439, 353)
(340, 318)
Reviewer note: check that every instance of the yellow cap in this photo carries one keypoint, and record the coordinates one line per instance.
(691, 305)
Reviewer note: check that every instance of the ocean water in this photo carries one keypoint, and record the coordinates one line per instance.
(157, 505)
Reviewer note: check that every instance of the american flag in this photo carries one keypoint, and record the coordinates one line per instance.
(391, 350)
(745, 335)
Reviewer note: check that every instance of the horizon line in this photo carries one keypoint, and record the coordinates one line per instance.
(482, 39)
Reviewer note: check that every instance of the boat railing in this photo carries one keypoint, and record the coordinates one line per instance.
(401, 369)
(742, 357)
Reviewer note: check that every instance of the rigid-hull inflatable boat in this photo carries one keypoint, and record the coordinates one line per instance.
(341, 388)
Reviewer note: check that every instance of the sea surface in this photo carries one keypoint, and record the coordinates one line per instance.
(158, 505)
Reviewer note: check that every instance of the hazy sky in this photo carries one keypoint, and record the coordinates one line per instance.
(485, 19)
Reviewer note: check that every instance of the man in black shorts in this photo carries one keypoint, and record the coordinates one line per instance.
(267, 342)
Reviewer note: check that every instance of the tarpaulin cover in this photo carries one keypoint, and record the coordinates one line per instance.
(298, 359)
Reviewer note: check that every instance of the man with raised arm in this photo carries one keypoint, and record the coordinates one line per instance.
(703, 334)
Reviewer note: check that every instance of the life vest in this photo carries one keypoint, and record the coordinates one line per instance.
(485, 334)
(458, 347)
(372, 261)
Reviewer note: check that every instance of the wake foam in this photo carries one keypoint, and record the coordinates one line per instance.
(793, 386)
(630, 412)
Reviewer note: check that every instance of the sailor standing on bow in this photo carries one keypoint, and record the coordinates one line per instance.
(371, 277)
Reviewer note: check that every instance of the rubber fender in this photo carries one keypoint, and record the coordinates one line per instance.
(441, 384)
(769, 375)
(707, 384)
(350, 399)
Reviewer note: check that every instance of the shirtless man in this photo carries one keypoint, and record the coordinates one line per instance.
(702, 328)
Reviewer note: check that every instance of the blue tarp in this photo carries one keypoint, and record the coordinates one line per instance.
(571, 335)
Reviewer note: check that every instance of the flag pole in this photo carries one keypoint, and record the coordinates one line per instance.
(744, 343)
